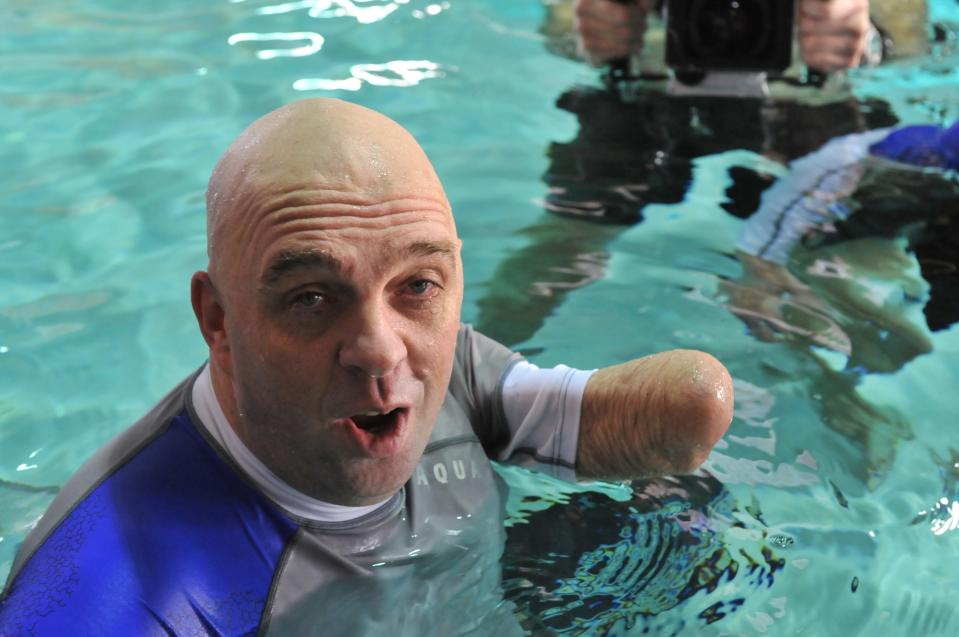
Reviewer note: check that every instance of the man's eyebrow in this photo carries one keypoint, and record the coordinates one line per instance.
(429, 248)
(290, 260)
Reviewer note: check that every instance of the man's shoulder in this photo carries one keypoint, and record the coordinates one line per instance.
(145, 526)
(475, 389)
(479, 366)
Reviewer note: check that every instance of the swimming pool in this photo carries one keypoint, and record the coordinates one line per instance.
(112, 117)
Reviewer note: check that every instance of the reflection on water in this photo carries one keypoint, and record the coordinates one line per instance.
(750, 457)
(826, 263)
(365, 13)
(846, 260)
(841, 238)
(313, 43)
(943, 516)
(627, 156)
(947, 516)
(393, 73)
(599, 564)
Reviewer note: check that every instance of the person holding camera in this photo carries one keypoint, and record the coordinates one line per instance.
(832, 35)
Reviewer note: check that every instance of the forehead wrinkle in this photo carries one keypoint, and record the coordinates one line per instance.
(348, 178)
(316, 210)
(228, 230)
(330, 217)
(320, 196)
(242, 240)
(303, 226)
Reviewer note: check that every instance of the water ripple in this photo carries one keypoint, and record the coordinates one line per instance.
(315, 43)
(366, 13)
(661, 549)
(402, 73)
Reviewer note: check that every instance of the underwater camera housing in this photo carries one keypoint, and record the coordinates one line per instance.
(726, 47)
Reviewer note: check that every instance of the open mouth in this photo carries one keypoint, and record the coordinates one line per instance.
(378, 424)
(379, 435)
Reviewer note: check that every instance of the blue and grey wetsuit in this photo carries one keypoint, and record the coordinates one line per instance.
(166, 531)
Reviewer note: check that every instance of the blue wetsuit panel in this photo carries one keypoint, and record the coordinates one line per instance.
(172, 543)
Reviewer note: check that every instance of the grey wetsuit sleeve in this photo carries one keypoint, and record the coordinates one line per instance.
(479, 369)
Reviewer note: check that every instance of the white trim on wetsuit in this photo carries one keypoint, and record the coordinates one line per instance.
(532, 398)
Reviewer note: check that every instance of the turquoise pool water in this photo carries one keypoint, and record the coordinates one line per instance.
(834, 501)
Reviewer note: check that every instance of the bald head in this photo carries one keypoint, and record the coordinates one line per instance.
(316, 144)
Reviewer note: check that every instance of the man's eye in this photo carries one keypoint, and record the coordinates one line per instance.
(421, 287)
(308, 300)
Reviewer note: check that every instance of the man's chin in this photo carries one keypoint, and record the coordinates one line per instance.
(371, 481)
(367, 491)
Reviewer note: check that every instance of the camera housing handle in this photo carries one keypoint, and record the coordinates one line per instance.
(622, 69)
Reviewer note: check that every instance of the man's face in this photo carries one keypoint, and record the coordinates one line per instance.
(341, 313)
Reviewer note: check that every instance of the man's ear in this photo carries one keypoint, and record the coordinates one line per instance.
(211, 317)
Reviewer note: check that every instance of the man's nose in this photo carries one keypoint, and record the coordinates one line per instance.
(373, 347)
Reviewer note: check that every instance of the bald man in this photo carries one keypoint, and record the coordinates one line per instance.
(328, 468)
